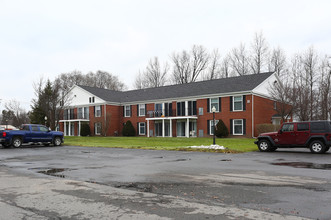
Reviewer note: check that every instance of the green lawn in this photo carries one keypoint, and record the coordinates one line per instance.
(233, 144)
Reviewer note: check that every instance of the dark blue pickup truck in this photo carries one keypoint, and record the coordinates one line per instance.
(30, 133)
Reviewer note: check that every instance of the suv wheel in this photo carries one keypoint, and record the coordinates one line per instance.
(317, 147)
(264, 146)
(17, 142)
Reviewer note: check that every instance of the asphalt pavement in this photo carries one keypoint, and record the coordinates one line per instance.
(109, 183)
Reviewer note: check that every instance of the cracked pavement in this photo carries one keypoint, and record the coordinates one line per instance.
(104, 183)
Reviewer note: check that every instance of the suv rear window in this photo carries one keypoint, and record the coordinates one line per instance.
(303, 127)
(317, 127)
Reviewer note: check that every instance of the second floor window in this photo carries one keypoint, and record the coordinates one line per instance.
(97, 112)
(127, 111)
(141, 110)
(237, 103)
(214, 102)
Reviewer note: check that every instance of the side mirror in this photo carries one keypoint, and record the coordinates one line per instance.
(49, 129)
(280, 132)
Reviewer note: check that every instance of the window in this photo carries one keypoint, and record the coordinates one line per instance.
(237, 103)
(34, 128)
(303, 127)
(127, 111)
(214, 102)
(275, 105)
(317, 127)
(180, 108)
(43, 128)
(97, 111)
(141, 109)
(158, 110)
(80, 113)
(200, 111)
(192, 108)
(288, 127)
(142, 128)
(211, 126)
(97, 128)
(238, 127)
(91, 99)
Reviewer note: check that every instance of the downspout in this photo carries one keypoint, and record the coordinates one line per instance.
(252, 115)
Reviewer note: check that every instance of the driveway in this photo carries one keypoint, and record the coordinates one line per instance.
(107, 183)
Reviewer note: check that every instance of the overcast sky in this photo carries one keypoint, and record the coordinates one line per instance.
(40, 38)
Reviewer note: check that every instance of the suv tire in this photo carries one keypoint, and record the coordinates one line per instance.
(264, 145)
(317, 147)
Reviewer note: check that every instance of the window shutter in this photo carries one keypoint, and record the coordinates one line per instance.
(130, 110)
(94, 110)
(231, 126)
(208, 127)
(189, 108)
(178, 109)
(123, 111)
(219, 104)
(100, 110)
(170, 109)
(231, 104)
(208, 105)
(137, 128)
(138, 110)
(244, 126)
(166, 109)
(194, 107)
(244, 102)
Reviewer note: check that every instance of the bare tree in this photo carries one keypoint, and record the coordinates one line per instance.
(278, 63)
(259, 54)
(214, 68)
(19, 115)
(324, 88)
(239, 60)
(187, 67)
(226, 66)
(153, 76)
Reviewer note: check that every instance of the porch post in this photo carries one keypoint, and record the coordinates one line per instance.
(170, 127)
(147, 128)
(69, 128)
(163, 132)
(65, 128)
(79, 128)
(187, 128)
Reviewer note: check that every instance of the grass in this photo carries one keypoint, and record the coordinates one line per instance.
(234, 145)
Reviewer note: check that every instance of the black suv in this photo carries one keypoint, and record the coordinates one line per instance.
(315, 135)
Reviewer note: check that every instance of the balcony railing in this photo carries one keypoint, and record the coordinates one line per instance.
(75, 116)
(172, 113)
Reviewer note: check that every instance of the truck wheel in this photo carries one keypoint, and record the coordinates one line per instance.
(264, 146)
(57, 141)
(317, 147)
(17, 142)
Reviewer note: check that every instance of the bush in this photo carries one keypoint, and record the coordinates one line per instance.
(221, 129)
(263, 128)
(128, 129)
(85, 130)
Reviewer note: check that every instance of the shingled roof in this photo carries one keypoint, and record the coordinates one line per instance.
(216, 86)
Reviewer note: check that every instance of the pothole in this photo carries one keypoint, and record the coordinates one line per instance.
(305, 165)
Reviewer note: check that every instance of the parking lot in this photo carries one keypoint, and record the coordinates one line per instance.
(106, 183)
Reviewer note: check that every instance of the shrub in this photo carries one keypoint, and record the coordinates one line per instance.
(221, 129)
(85, 130)
(128, 129)
(263, 128)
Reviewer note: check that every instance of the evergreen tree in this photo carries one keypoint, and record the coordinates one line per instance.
(128, 129)
(221, 129)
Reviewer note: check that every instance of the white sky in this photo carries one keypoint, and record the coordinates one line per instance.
(46, 38)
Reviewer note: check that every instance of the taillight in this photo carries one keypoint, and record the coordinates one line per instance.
(4, 134)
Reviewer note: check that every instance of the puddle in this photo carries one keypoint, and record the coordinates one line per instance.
(52, 171)
(226, 160)
(305, 165)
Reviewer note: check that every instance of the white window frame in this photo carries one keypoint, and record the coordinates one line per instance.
(125, 109)
(96, 132)
(97, 112)
(140, 125)
(242, 103)
(234, 125)
(142, 107)
(211, 122)
(217, 106)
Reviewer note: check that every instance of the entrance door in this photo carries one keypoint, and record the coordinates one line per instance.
(287, 137)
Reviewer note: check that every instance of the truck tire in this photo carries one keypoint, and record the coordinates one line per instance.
(264, 146)
(317, 147)
(57, 141)
(17, 142)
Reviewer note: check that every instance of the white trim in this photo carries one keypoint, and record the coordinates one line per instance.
(172, 117)
(210, 126)
(139, 110)
(95, 130)
(218, 104)
(127, 116)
